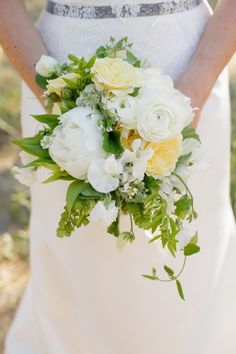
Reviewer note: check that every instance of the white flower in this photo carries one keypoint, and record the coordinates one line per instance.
(77, 141)
(162, 113)
(103, 174)
(29, 175)
(46, 66)
(25, 176)
(153, 78)
(189, 145)
(135, 162)
(103, 214)
(184, 237)
(125, 108)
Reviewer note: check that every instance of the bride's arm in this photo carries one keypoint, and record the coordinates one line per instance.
(20, 41)
(214, 50)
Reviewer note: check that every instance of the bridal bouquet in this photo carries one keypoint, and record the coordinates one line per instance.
(121, 135)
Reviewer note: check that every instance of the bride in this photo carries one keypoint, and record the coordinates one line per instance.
(83, 296)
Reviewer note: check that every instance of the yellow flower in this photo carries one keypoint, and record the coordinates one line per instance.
(56, 85)
(115, 75)
(127, 141)
(165, 156)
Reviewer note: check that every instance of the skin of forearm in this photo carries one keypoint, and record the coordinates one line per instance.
(21, 41)
(215, 48)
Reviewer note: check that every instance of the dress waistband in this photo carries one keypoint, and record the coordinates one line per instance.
(120, 10)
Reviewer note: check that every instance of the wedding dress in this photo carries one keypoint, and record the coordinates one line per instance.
(86, 297)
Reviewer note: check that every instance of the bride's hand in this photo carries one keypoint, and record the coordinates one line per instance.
(189, 84)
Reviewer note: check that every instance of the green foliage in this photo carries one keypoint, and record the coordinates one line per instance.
(41, 81)
(32, 146)
(77, 217)
(50, 119)
(112, 143)
(73, 191)
(189, 132)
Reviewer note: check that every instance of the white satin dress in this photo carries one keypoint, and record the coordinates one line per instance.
(86, 297)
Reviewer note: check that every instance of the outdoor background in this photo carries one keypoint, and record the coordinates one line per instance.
(14, 198)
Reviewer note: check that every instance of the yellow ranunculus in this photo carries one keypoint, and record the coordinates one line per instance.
(114, 74)
(165, 156)
(56, 85)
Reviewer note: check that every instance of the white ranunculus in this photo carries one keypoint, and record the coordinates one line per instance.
(77, 141)
(126, 108)
(184, 237)
(46, 66)
(103, 214)
(162, 113)
(153, 78)
(103, 174)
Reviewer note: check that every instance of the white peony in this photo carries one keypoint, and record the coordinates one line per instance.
(162, 113)
(103, 174)
(46, 66)
(126, 108)
(77, 141)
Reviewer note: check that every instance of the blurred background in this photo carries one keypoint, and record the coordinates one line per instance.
(14, 198)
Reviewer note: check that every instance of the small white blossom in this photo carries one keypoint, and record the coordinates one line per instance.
(46, 66)
(103, 214)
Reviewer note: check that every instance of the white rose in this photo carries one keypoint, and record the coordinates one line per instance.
(126, 109)
(103, 214)
(103, 174)
(77, 141)
(162, 114)
(46, 66)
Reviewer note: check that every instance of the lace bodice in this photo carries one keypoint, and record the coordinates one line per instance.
(167, 41)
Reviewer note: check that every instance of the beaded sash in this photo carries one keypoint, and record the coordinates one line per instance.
(120, 10)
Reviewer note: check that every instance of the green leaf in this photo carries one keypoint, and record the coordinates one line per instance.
(135, 92)
(73, 58)
(47, 163)
(50, 119)
(111, 142)
(131, 58)
(74, 189)
(183, 206)
(91, 62)
(32, 146)
(151, 277)
(169, 271)
(41, 81)
(155, 238)
(189, 132)
(70, 83)
(180, 289)
(113, 229)
(90, 192)
(190, 249)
